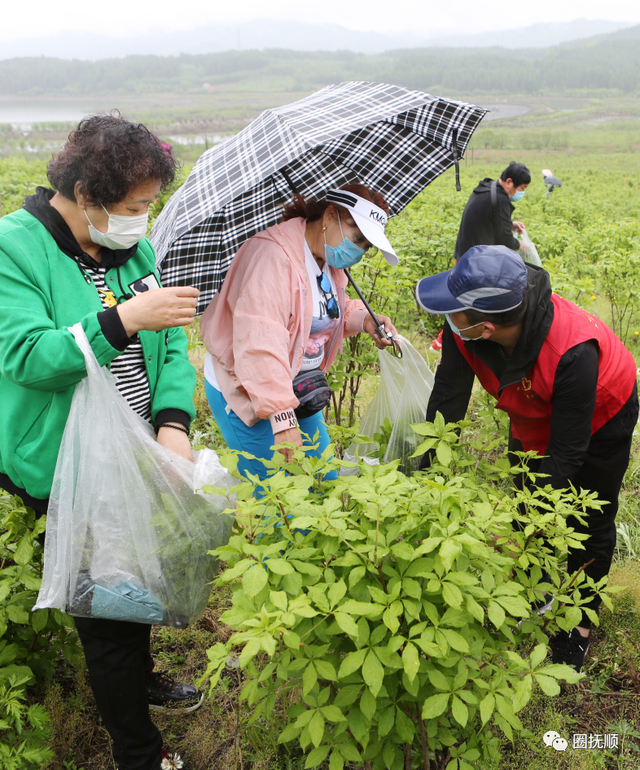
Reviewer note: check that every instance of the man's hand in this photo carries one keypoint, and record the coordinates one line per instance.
(371, 329)
(518, 227)
(159, 309)
(176, 441)
(292, 436)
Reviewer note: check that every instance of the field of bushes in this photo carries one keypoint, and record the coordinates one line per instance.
(494, 697)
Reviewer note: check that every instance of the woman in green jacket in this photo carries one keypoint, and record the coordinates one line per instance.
(78, 253)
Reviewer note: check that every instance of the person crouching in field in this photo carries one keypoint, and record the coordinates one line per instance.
(566, 381)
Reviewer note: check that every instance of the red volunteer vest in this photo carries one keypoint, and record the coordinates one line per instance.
(528, 403)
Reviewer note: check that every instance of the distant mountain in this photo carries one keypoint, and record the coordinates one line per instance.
(295, 36)
(536, 36)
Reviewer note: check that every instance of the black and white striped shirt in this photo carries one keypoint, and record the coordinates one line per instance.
(128, 368)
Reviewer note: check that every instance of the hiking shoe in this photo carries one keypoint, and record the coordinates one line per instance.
(172, 761)
(171, 697)
(570, 648)
(544, 604)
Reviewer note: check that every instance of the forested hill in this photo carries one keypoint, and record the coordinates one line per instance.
(609, 62)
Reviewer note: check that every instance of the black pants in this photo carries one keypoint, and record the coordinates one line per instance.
(602, 471)
(119, 661)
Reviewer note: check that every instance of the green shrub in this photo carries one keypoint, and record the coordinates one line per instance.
(385, 610)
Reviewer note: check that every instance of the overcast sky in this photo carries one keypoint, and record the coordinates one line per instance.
(123, 17)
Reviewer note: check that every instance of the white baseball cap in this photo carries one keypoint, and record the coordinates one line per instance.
(369, 218)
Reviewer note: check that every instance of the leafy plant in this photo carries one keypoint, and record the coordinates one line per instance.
(24, 730)
(392, 615)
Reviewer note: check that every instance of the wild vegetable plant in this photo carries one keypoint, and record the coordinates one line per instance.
(392, 616)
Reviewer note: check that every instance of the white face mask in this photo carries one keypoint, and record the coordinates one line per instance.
(122, 232)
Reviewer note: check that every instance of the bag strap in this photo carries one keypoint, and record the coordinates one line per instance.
(494, 194)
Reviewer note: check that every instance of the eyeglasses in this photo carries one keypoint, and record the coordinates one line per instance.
(324, 284)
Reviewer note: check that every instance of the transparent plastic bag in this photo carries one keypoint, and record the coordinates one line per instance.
(528, 251)
(128, 533)
(402, 398)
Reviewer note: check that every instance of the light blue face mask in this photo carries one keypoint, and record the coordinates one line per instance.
(344, 254)
(457, 331)
(519, 195)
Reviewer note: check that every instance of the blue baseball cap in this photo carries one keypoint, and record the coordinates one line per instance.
(492, 279)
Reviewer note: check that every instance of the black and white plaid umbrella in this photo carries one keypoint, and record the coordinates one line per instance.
(392, 139)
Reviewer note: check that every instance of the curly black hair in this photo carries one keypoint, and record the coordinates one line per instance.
(110, 156)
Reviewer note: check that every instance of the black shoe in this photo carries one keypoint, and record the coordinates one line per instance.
(171, 697)
(570, 648)
(172, 761)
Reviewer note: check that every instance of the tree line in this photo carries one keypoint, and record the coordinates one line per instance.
(608, 65)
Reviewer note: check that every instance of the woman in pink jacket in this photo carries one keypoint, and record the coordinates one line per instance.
(279, 319)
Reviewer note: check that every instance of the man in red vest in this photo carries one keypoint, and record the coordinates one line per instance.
(566, 381)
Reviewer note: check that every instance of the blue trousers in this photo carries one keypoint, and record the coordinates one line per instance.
(258, 439)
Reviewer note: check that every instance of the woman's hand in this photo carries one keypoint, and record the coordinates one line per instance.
(159, 309)
(291, 435)
(518, 227)
(371, 329)
(176, 441)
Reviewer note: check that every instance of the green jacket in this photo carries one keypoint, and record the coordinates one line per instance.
(42, 293)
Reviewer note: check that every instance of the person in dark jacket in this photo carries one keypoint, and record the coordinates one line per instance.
(566, 381)
(486, 219)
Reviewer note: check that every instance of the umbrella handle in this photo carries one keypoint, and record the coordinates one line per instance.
(455, 158)
(382, 332)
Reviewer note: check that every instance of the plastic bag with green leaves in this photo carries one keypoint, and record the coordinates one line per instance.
(528, 250)
(400, 401)
(129, 527)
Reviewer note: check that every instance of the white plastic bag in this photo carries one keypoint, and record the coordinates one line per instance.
(528, 251)
(127, 533)
(402, 398)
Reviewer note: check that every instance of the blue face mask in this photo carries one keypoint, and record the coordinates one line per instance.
(519, 195)
(457, 331)
(345, 254)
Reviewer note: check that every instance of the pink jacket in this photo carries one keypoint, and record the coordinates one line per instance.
(257, 327)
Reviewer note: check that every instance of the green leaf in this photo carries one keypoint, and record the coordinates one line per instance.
(5, 589)
(487, 706)
(349, 752)
(17, 614)
(548, 685)
(361, 608)
(456, 640)
(325, 670)
(254, 580)
(410, 661)
(522, 694)
(351, 663)
(317, 756)
(347, 695)
(368, 704)
(336, 592)
(439, 680)
(279, 600)
(356, 575)
(460, 711)
(449, 552)
(39, 620)
(452, 595)
(443, 452)
(346, 623)
(403, 550)
(538, 654)
(496, 614)
(279, 566)
(404, 726)
(309, 679)
(336, 762)
(332, 714)
(316, 728)
(435, 706)
(573, 616)
(24, 550)
(373, 672)
(386, 721)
